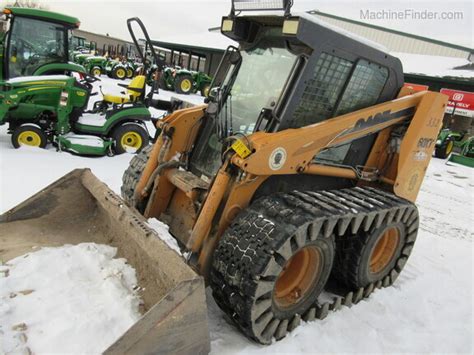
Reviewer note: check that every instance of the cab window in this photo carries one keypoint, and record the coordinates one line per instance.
(34, 43)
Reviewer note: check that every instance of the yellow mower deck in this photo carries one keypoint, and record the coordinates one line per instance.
(79, 208)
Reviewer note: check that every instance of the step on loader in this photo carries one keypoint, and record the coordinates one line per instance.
(292, 190)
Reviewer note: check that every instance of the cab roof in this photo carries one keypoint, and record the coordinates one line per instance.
(43, 15)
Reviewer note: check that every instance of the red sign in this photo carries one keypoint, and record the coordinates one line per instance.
(416, 87)
(461, 102)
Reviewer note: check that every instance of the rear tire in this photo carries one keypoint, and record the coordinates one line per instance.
(260, 276)
(119, 73)
(132, 175)
(368, 257)
(29, 135)
(130, 136)
(184, 84)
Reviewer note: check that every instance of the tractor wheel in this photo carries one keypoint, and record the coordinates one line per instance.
(270, 267)
(130, 73)
(205, 90)
(119, 73)
(130, 137)
(184, 84)
(96, 71)
(444, 151)
(29, 135)
(132, 175)
(162, 83)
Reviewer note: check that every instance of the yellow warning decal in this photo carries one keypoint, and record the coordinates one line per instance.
(241, 149)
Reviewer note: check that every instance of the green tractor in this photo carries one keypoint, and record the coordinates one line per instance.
(185, 81)
(466, 154)
(448, 141)
(52, 109)
(95, 65)
(37, 43)
(119, 69)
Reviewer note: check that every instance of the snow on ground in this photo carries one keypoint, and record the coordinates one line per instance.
(428, 310)
(71, 299)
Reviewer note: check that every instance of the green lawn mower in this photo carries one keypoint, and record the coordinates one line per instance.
(95, 65)
(52, 109)
(466, 154)
(448, 141)
(185, 82)
(120, 70)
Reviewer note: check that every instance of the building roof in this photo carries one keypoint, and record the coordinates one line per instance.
(435, 66)
(389, 30)
(199, 44)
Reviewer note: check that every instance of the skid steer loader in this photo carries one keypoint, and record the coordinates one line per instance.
(292, 190)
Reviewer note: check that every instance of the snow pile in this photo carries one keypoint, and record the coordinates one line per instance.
(70, 299)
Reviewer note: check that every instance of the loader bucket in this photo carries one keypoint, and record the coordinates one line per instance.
(79, 208)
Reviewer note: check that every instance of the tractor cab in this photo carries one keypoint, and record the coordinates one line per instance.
(78, 43)
(291, 72)
(37, 42)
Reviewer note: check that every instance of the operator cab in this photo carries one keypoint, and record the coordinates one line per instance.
(35, 39)
(291, 72)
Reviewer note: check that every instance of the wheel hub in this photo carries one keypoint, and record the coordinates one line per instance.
(384, 250)
(297, 278)
(29, 138)
(185, 85)
(131, 140)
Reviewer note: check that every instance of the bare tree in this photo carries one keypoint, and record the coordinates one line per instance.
(32, 4)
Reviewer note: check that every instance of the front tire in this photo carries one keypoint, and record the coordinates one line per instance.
(130, 73)
(443, 151)
(132, 176)
(130, 137)
(29, 135)
(96, 71)
(269, 268)
(184, 84)
(205, 90)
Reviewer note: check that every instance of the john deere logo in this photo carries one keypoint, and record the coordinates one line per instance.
(277, 158)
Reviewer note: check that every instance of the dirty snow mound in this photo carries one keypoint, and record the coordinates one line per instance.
(70, 299)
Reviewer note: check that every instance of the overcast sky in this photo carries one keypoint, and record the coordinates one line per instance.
(177, 19)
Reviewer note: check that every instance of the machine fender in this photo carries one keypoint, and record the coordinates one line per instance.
(56, 67)
(111, 123)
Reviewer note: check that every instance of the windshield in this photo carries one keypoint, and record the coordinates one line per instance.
(34, 43)
(258, 84)
(254, 85)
